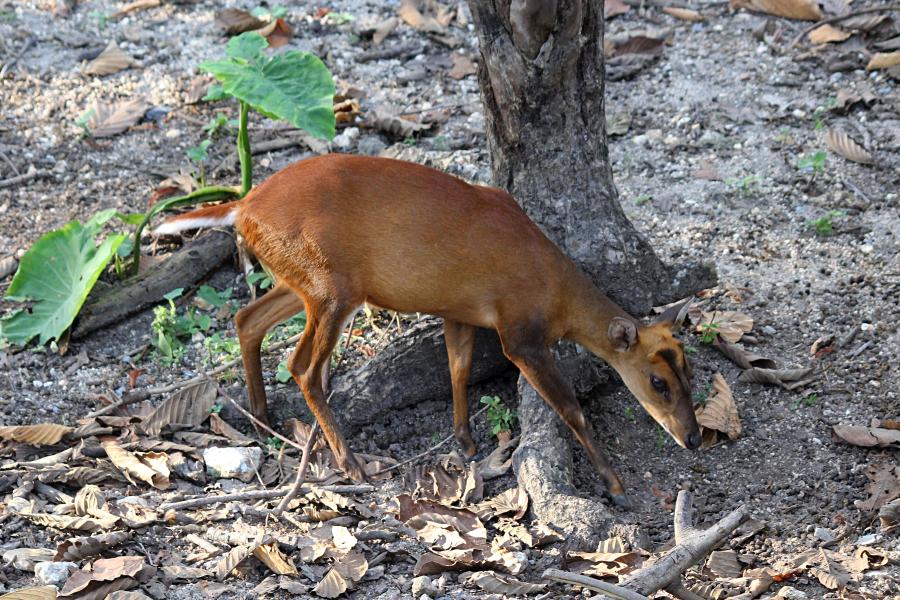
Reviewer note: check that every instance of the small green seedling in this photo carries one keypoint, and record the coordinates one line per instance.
(274, 442)
(216, 409)
(690, 349)
(213, 297)
(7, 15)
(199, 155)
(806, 401)
(812, 163)
(283, 375)
(220, 122)
(171, 328)
(824, 226)
(338, 18)
(818, 117)
(643, 199)
(499, 416)
(100, 18)
(221, 348)
(83, 122)
(709, 333)
(260, 278)
(745, 184)
(629, 414)
(661, 438)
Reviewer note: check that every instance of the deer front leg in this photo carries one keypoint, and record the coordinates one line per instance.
(540, 369)
(460, 339)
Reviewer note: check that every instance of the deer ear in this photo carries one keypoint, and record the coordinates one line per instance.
(675, 315)
(622, 333)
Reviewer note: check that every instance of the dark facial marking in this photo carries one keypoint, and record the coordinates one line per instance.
(683, 374)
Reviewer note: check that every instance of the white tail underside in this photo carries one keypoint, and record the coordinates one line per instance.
(178, 225)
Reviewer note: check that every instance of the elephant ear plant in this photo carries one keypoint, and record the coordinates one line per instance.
(60, 269)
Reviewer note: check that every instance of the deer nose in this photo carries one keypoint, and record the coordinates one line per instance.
(693, 441)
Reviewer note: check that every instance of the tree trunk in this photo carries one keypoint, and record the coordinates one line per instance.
(541, 76)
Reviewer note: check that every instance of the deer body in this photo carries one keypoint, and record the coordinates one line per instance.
(339, 231)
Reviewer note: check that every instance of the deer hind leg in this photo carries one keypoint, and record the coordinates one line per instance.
(540, 369)
(252, 323)
(307, 365)
(460, 339)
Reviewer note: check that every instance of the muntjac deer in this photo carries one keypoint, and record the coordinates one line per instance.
(339, 231)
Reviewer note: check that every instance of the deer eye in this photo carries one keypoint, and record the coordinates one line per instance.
(659, 384)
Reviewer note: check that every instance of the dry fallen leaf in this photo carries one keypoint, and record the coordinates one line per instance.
(274, 559)
(789, 379)
(859, 435)
(840, 143)
(883, 487)
(883, 60)
(331, 586)
(742, 357)
(495, 583)
(234, 21)
(111, 60)
(352, 566)
(720, 412)
(730, 325)
(124, 570)
(44, 592)
(724, 563)
(397, 127)
(462, 66)
(278, 33)
(639, 44)
(42, 434)
(828, 33)
(190, 406)
(804, 10)
(89, 524)
(604, 564)
(412, 16)
(88, 500)
(149, 467)
(685, 14)
(614, 8)
(108, 119)
(384, 29)
(231, 560)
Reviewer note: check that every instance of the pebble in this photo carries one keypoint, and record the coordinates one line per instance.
(869, 539)
(371, 146)
(823, 534)
(769, 330)
(791, 593)
(228, 463)
(422, 586)
(54, 573)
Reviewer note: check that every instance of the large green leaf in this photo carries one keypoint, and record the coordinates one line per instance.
(293, 86)
(57, 273)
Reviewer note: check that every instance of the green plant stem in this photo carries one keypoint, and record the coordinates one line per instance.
(207, 194)
(243, 147)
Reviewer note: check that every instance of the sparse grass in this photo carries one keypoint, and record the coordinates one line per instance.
(806, 401)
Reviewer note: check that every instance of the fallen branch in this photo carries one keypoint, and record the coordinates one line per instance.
(262, 495)
(31, 174)
(301, 472)
(692, 546)
(839, 18)
(610, 589)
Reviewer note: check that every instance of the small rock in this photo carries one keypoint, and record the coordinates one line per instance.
(791, 593)
(422, 586)
(345, 140)
(823, 534)
(371, 146)
(868, 540)
(769, 330)
(54, 573)
(134, 500)
(237, 463)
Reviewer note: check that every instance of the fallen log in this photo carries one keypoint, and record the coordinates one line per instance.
(185, 267)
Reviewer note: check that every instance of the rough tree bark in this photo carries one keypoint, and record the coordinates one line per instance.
(542, 82)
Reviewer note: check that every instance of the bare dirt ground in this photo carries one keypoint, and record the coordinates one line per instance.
(709, 168)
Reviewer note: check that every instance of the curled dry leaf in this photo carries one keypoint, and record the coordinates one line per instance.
(88, 500)
(789, 379)
(410, 13)
(614, 8)
(730, 325)
(685, 14)
(79, 475)
(858, 435)
(828, 33)
(106, 570)
(495, 583)
(803, 10)
(742, 357)
(384, 29)
(108, 119)
(219, 426)
(397, 127)
(498, 462)
(42, 434)
(278, 33)
(720, 412)
(883, 60)
(639, 44)
(111, 60)
(840, 143)
(604, 564)
(274, 559)
(173, 573)
(462, 66)
(883, 487)
(190, 406)
(24, 559)
(149, 467)
(331, 586)
(89, 524)
(44, 592)
(514, 500)
(234, 21)
(230, 561)
(352, 566)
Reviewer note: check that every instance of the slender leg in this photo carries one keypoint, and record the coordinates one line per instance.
(459, 339)
(252, 322)
(307, 364)
(540, 369)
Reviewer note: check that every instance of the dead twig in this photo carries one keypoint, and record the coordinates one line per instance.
(134, 7)
(301, 472)
(29, 42)
(11, 164)
(839, 18)
(262, 495)
(692, 546)
(257, 422)
(856, 190)
(860, 349)
(31, 174)
(426, 452)
(609, 589)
